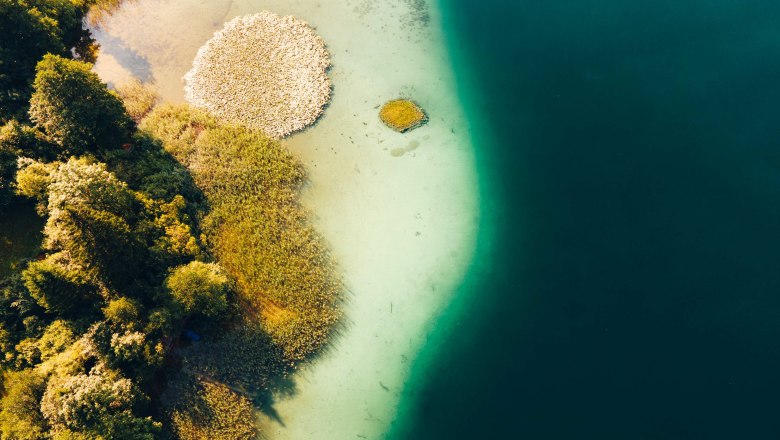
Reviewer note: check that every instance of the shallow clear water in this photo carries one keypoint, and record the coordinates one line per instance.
(399, 211)
(630, 152)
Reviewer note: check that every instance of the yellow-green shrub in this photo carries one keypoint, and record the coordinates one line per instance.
(200, 409)
(402, 115)
(256, 228)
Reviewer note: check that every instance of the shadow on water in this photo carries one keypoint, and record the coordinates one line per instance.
(264, 400)
(136, 64)
(635, 290)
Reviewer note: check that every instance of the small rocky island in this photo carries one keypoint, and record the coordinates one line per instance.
(402, 115)
(264, 71)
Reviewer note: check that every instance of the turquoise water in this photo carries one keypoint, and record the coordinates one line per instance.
(630, 158)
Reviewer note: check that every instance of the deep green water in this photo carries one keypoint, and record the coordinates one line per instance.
(630, 161)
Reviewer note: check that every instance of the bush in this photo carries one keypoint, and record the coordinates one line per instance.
(147, 167)
(57, 337)
(178, 127)
(17, 140)
(122, 312)
(200, 289)
(139, 98)
(201, 409)
(402, 115)
(20, 415)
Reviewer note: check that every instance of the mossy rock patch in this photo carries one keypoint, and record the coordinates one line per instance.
(402, 115)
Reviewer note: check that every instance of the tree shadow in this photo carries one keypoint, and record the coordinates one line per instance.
(282, 385)
(128, 58)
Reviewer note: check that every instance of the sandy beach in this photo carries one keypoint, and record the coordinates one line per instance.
(399, 211)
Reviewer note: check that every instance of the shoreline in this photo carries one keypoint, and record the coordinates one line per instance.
(399, 211)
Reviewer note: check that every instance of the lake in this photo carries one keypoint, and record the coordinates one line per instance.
(629, 153)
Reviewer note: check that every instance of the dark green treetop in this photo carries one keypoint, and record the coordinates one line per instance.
(75, 109)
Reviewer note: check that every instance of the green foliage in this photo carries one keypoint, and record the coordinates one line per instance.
(17, 140)
(177, 240)
(123, 312)
(20, 235)
(178, 127)
(14, 140)
(33, 28)
(27, 141)
(27, 353)
(91, 219)
(243, 357)
(256, 228)
(58, 289)
(35, 35)
(125, 237)
(20, 415)
(75, 109)
(201, 409)
(99, 402)
(32, 180)
(7, 173)
(139, 98)
(62, 16)
(106, 241)
(17, 307)
(148, 168)
(59, 335)
(200, 289)
(111, 238)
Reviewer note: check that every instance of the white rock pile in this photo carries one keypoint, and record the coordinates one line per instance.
(264, 71)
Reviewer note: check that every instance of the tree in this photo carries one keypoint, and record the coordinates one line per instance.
(92, 216)
(7, 173)
(99, 402)
(57, 337)
(15, 140)
(33, 179)
(200, 288)
(26, 141)
(18, 315)
(34, 37)
(59, 290)
(20, 415)
(75, 109)
(31, 29)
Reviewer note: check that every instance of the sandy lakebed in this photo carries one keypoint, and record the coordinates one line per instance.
(400, 212)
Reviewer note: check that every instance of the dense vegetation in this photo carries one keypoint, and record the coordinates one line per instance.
(177, 276)
(255, 226)
(402, 115)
